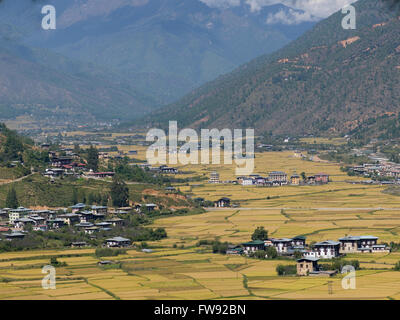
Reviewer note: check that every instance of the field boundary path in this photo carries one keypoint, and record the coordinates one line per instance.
(15, 180)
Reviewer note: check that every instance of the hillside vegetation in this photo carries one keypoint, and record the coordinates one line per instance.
(330, 80)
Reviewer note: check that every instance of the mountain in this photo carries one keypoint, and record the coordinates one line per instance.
(44, 85)
(329, 80)
(162, 48)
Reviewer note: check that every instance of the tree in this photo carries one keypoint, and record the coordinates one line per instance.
(74, 199)
(12, 200)
(91, 198)
(303, 176)
(93, 158)
(260, 234)
(271, 252)
(77, 149)
(297, 254)
(119, 193)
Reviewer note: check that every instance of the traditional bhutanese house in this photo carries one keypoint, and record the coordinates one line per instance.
(78, 207)
(367, 241)
(118, 242)
(22, 223)
(248, 181)
(102, 210)
(168, 170)
(311, 179)
(282, 244)
(61, 161)
(327, 249)
(15, 214)
(37, 219)
(100, 175)
(321, 178)
(14, 236)
(83, 225)
(150, 207)
(99, 210)
(307, 265)
(222, 203)
(104, 225)
(295, 179)
(376, 248)
(234, 250)
(170, 190)
(91, 230)
(70, 218)
(350, 244)
(78, 244)
(253, 246)
(47, 214)
(55, 223)
(87, 216)
(214, 177)
(260, 181)
(299, 241)
(240, 179)
(40, 227)
(278, 176)
(105, 262)
(116, 222)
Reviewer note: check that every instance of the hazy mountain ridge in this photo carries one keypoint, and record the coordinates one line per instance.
(38, 82)
(164, 48)
(314, 85)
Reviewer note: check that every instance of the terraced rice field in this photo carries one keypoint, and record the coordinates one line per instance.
(178, 269)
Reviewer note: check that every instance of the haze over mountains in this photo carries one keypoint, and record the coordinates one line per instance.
(121, 58)
(328, 80)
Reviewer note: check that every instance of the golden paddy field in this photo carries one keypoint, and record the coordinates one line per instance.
(178, 269)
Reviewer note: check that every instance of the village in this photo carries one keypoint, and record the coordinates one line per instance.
(91, 222)
(275, 178)
(307, 256)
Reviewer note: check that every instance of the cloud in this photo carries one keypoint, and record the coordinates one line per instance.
(290, 17)
(221, 3)
(312, 8)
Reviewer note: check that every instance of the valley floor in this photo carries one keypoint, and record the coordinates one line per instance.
(179, 269)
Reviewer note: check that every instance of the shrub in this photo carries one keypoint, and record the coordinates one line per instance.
(109, 252)
(284, 270)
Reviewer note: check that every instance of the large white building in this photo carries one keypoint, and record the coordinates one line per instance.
(15, 214)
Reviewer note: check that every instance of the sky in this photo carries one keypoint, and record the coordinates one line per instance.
(300, 10)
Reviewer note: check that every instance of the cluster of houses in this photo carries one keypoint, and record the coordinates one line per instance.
(275, 178)
(161, 169)
(70, 165)
(382, 169)
(310, 255)
(327, 249)
(88, 219)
